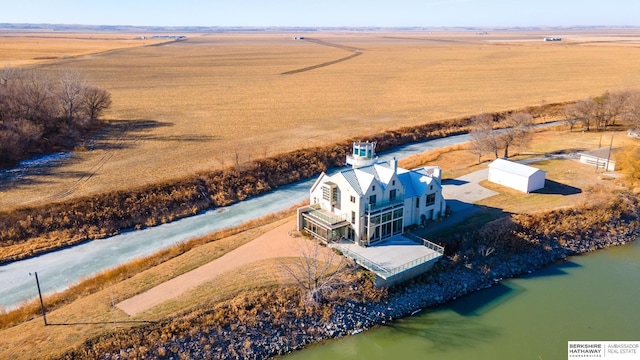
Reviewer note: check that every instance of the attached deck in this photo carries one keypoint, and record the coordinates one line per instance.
(395, 259)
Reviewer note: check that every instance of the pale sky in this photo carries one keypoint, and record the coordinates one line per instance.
(329, 13)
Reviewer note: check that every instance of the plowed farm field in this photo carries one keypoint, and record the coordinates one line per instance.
(219, 99)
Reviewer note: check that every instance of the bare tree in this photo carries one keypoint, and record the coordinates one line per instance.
(569, 116)
(39, 113)
(69, 93)
(30, 92)
(631, 113)
(615, 106)
(583, 110)
(317, 270)
(94, 102)
(517, 131)
(483, 137)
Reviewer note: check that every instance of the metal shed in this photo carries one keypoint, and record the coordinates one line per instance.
(516, 176)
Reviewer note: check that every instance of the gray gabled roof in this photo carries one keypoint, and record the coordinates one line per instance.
(352, 180)
(603, 153)
(416, 182)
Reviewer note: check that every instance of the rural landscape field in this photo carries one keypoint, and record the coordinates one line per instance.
(182, 109)
(216, 100)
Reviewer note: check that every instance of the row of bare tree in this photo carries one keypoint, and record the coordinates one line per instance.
(596, 113)
(41, 113)
(605, 110)
(516, 131)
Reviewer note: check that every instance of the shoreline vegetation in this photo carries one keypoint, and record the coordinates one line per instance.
(270, 322)
(31, 231)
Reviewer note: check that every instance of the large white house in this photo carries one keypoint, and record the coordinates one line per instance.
(372, 200)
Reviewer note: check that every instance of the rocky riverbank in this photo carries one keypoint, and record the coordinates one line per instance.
(454, 276)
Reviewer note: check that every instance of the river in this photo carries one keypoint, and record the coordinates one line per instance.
(590, 297)
(60, 269)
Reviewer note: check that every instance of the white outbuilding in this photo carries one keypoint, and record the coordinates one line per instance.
(516, 176)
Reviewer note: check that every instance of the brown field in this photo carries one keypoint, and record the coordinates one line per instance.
(20, 49)
(218, 99)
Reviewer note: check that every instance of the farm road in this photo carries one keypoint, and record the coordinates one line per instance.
(356, 52)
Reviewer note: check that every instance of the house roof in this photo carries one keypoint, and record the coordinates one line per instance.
(416, 182)
(319, 180)
(352, 179)
(603, 153)
(513, 167)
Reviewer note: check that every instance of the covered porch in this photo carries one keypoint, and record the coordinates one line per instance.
(322, 224)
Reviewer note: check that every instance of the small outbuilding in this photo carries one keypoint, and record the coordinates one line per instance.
(600, 158)
(516, 176)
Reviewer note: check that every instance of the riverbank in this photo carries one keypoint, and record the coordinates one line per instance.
(518, 245)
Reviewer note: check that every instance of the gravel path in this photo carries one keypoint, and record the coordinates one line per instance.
(275, 243)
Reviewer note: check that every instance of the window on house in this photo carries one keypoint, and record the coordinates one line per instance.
(392, 195)
(417, 203)
(431, 199)
(372, 200)
(326, 193)
(431, 187)
(353, 199)
(393, 182)
(353, 217)
(373, 188)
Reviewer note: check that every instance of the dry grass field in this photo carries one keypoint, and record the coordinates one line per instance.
(217, 99)
(20, 49)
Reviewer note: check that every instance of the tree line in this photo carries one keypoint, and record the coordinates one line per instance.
(600, 112)
(492, 133)
(40, 112)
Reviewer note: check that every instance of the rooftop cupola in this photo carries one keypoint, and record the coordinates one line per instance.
(363, 154)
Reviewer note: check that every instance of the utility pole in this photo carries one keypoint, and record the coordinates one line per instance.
(609, 154)
(44, 313)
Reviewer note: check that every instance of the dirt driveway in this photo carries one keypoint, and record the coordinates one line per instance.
(273, 244)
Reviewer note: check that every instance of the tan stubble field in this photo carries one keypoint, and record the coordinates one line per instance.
(199, 104)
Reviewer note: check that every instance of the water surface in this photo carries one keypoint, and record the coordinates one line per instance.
(591, 297)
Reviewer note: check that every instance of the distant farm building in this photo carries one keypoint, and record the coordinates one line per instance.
(634, 133)
(516, 176)
(169, 37)
(600, 158)
(552, 39)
